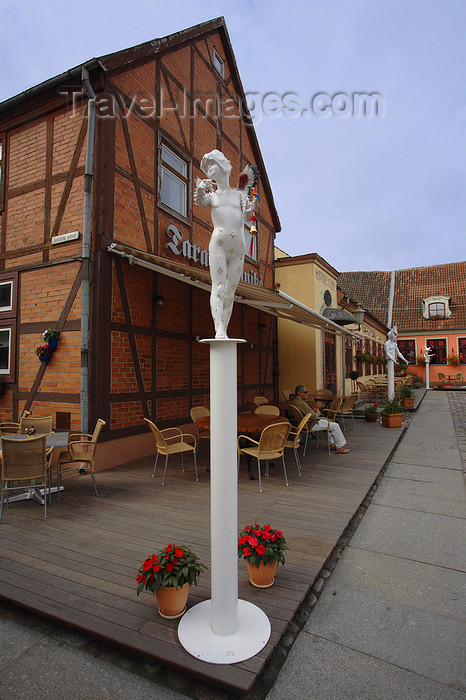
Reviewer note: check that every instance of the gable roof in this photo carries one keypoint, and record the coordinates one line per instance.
(412, 285)
(370, 289)
(122, 60)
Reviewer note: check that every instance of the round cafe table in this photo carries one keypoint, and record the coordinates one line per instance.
(248, 424)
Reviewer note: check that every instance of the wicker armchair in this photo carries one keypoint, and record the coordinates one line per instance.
(199, 412)
(41, 424)
(268, 409)
(25, 464)
(333, 409)
(347, 408)
(80, 453)
(294, 439)
(9, 428)
(271, 445)
(172, 441)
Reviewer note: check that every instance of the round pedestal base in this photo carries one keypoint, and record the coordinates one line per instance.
(196, 636)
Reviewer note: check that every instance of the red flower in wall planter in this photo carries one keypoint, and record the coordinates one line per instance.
(44, 352)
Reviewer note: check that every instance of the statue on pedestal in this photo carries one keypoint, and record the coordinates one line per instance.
(428, 354)
(391, 347)
(229, 209)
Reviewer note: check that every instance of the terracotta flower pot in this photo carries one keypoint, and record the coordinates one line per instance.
(262, 576)
(392, 420)
(408, 403)
(371, 417)
(172, 601)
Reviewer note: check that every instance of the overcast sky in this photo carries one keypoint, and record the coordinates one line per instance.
(382, 192)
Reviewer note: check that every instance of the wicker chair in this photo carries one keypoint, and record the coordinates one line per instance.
(294, 439)
(333, 409)
(166, 445)
(271, 445)
(26, 461)
(323, 395)
(259, 400)
(297, 416)
(347, 408)
(41, 424)
(81, 451)
(9, 428)
(268, 409)
(199, 412)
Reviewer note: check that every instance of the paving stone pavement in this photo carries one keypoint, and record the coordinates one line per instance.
(390, 622)
(385, 619)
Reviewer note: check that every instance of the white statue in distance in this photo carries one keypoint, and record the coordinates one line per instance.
(229, 209)
(391, 347)
(428, 354)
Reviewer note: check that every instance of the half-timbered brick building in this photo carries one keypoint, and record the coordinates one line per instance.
(101, 241)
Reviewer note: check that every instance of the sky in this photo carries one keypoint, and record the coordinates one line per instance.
(380, 190)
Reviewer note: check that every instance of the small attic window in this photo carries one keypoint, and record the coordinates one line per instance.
(436, 307)
(219, 63)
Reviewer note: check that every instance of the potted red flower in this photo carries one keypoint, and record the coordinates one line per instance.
(44, 352)
(263, 549)
(371, 413)
(169, 574)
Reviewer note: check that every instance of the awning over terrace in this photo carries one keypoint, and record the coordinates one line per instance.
(272, 301)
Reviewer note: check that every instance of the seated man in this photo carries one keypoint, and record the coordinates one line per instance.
(336, 437)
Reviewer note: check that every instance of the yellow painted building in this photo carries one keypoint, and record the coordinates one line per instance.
(323, 357)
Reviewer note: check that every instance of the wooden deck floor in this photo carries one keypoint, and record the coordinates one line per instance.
(79, 565)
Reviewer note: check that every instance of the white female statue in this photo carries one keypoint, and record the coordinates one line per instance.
(391, 348)
(391, 353)
(229, 209)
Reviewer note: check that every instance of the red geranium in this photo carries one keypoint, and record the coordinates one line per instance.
(171, 567)
(265, 546)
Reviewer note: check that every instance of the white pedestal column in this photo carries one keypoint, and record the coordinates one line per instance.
(427, 375)
(224, 630)
(391, 379)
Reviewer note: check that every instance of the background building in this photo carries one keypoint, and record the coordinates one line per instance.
(323, 357)
(428, 305)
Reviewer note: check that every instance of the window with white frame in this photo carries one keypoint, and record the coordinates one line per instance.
(407, 349)
(219, 63)
(436, 307)
(174, 181)
(462, 350)
(250, 238)
(8, 310)
(5, 350)
(6, 295)
(438, 346)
